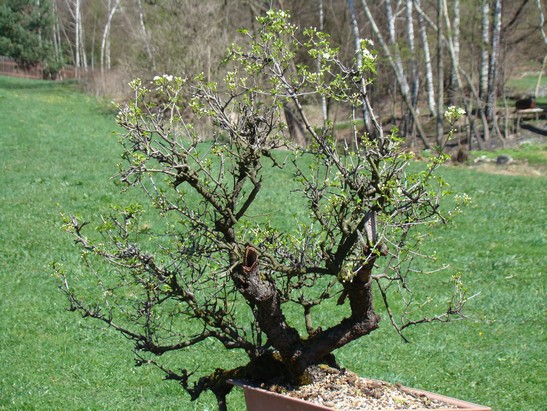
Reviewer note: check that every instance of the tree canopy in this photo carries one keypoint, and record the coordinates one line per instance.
(25, 31)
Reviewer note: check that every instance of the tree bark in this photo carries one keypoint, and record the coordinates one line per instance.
(296, 130)
(414, 78)
(544, 36)
(440, 72)
(485, 40)
(413, 67)
(81, 32)
(105, 43)
(362, 320)
(77, 37)
(475, 92)
(145, 35)
(264, 297)
(298, 354)
(494, 60)
(427, 62)
(454, 30)
(396, 55)
(56, 31)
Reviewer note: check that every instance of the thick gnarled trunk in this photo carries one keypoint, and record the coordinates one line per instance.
(296, 353)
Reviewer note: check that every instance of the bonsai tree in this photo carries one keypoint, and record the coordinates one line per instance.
(246, 237)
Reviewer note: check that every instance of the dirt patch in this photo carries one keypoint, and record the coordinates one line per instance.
(513, 169)
(530, 135)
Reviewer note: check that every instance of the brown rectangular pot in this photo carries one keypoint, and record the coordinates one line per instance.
(258, 399)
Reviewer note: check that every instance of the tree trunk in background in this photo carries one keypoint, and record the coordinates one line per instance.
(394, 47)
(412, 67)
(457, 73)
(367, 118)
(454, 30)
(483, 75)
(81, 33)
(295, 127)
(105, 44)
(427, 62)
(544, 36)
(440, 72)
(76, 39)
(485, 46)
(77, 28)
(56, 31)
(494, 59)
(145, 36)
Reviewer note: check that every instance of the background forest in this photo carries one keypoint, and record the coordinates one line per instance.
(431, 53)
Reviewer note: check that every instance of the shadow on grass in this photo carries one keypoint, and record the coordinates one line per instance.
(534, 129)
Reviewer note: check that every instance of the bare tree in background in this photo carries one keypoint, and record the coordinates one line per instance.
(105, 42)
(146, 38)
(395, 62)
(413, 65)
(430, 88)
(440, 71)
(485, 47)
(145, 35)
(494, 62)
(544, 36)
(454, 32)
(80, 57)
(367, 115)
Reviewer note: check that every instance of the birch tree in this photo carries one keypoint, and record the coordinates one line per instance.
(367, 115)
(440, 71)
(396, 65)
(461, 72)
(454, 31)
(485, 46)
(56, 31)
(413, 67)
(494, 59)
(393, 45)
(430, 88)
(145, 35)
(544, 37)
(74, 8)
(105, 43)
(81, 58)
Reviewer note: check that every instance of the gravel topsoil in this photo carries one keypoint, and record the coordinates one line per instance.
(344, 390)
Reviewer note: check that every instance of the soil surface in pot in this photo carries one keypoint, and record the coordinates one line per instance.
(344, 390)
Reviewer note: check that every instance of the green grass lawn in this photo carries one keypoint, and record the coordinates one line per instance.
(58, 153)
(526, 85)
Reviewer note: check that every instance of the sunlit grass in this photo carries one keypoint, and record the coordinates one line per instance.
(58, 153)
(526, 85)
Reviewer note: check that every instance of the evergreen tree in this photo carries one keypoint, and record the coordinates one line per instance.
(25, 28)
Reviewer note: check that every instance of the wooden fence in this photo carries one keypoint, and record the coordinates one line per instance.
(8, 67)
